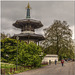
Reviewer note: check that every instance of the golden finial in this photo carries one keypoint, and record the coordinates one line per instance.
(28, 6)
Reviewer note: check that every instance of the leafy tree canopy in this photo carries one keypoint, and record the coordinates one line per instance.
(28, 54)
(3, 35)
(8, 49)
(59, 39)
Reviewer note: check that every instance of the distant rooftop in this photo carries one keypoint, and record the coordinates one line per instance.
(51, 55)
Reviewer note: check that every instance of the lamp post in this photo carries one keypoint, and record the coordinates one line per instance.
(17, 53)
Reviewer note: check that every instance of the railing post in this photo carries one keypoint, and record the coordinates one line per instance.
(10, 70)
(20, 68)
(24, 67)
(31, 67)
(14, 69)
(1, 71)
(4, 71)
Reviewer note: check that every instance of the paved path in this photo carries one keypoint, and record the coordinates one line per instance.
(67, 69)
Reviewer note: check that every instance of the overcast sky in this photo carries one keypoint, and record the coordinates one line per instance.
(45, 11)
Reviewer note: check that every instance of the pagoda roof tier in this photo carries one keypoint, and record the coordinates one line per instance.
(29, 36)
(34, 23)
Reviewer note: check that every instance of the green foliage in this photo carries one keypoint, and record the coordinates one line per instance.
(3, 36)
(8, 50)
(7, 65)
(29, 54)
(59, 40)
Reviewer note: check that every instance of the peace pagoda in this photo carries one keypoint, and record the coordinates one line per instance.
(28, 27)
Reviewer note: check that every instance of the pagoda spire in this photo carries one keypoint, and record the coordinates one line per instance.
(28, 11)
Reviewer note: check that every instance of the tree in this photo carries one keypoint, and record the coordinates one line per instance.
(8, 50)
(3, 35)
(59, 39)
(29, 54)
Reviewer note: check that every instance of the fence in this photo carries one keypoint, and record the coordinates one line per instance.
(13, 70)
(45, 63)
(21, 69)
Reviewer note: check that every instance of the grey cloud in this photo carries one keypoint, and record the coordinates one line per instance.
(45, 11)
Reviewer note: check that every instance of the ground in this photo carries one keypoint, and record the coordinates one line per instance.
(67, 69)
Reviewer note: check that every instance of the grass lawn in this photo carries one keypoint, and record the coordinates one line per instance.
(7, 67)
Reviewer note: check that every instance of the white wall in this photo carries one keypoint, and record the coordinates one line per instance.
(47, 58)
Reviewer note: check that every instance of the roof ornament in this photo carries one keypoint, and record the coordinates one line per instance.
(28, 10)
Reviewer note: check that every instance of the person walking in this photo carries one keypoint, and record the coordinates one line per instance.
(49, 62)
(62, 62)
(55, 61)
